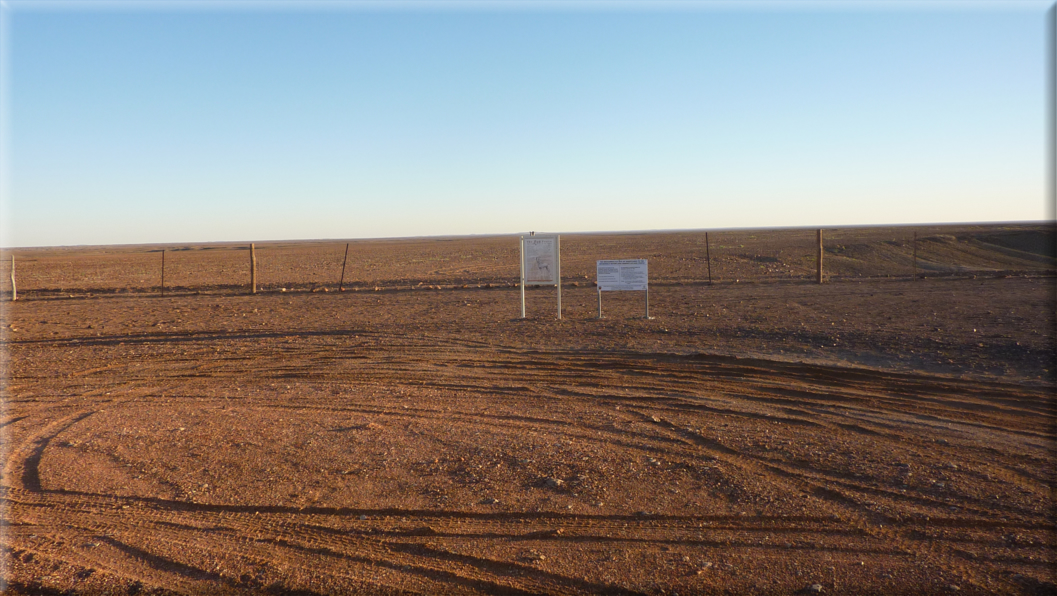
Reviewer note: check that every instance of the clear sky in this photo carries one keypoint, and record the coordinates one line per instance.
(163, 123)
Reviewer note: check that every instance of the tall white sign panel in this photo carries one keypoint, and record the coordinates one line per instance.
(541, 265)
(625, 274)
(539, 260)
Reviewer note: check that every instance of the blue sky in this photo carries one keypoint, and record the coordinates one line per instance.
(144, 123)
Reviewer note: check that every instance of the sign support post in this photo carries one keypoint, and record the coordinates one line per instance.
(522, 259)
(558, 273)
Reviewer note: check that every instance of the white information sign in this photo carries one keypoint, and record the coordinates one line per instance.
(625, 274)
(540, 260)
(541, 265)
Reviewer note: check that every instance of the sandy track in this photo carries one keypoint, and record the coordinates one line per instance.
(872, 437)
(691, 473)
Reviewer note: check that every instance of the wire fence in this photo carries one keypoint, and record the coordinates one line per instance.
(691, 257)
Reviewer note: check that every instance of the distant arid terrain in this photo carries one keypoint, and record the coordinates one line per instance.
(890, 431)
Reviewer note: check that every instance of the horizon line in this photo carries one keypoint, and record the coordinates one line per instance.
(573, 233)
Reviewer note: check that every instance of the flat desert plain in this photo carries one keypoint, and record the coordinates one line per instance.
(880, 433)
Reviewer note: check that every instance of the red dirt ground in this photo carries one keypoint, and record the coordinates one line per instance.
(876, 434)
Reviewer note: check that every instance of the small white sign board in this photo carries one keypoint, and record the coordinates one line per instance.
(540, 260)
(623, 275)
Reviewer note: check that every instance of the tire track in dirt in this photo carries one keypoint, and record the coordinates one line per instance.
(150, 541)
(848, 507)
(23, 461)
(237, 538)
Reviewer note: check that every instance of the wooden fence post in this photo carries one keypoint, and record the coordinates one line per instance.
(163, 272)
(819, 273)
(708, 259)
(14, 290)
(915, 255)
(341, 283)
(253, 269)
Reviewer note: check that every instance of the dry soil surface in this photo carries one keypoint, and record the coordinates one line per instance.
(871, 435)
